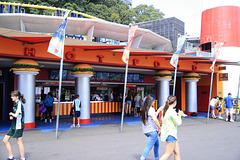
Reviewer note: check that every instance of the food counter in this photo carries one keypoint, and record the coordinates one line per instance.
(95, 107)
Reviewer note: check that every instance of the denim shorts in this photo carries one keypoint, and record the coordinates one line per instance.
(211, 107)
(171, 139)
(129, 102)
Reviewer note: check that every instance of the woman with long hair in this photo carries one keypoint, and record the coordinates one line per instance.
(16, 130)
(169, 128)
(151, 127)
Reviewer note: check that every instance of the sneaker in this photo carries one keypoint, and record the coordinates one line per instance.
(226, 119)
(231, 120)
(12, 158)
(73, 126)
(50, 120)
(45, 120)
(78, 126)
(220, 117)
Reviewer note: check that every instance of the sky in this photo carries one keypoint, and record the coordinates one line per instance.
(188, 11)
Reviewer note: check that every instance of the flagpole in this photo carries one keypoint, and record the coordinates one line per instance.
(124, 93)
(125, 84)
(210, 92)
(61, 67)
(59, 95)
(60, 87)
(175, 77)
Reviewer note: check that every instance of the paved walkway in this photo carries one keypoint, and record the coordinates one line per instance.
(218, 140)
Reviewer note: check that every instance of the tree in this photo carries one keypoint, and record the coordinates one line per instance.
(145, 13)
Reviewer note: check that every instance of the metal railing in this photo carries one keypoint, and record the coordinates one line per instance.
(8, 7)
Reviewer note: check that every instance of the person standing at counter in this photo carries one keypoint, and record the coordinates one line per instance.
(111, 96)
(96, 97)
(48, 103)
(128, 104)
(77, 111)
(138, 104)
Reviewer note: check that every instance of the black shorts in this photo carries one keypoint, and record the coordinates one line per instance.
(219, 109)
(138, 109)
(77, 114)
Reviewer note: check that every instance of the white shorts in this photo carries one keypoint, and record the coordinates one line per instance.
(229, 110)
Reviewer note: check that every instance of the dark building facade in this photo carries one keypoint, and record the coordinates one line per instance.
(169, 28)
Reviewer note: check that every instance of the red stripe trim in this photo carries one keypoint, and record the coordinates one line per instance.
(29, 125)
(91, 107)
(99, 107)
(85, 121)
(189, 113)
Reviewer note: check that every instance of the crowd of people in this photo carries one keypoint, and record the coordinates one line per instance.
(218, 103)
(133, 104)
(151, 127)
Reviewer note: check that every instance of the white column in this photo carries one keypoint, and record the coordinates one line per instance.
(163, 91)
(26, 85)
(191, 96)
(82, 88)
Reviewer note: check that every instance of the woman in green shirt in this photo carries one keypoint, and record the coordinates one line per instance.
(16, 130)
(169, 129)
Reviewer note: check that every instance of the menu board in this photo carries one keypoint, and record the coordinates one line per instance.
(54, 74)
(94, 77)
(115, 77)
(130, 78)
(105, 76)
(70, 75)
(99, 76)
(64, 74)
(141, 78)
(136, 78)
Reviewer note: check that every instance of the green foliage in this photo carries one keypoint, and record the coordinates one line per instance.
(146, 13)
(109, 10)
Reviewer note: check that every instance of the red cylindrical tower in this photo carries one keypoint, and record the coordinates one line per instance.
(221, 23)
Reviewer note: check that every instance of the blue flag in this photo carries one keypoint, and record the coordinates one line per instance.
(174, 59)
(56, 45)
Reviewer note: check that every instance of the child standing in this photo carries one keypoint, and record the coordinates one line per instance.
(42, 110)
(169, 129)
(77, 111)
(219, 108)
(16, 130)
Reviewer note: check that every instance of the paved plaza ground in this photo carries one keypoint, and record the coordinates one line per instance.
(102, 140)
